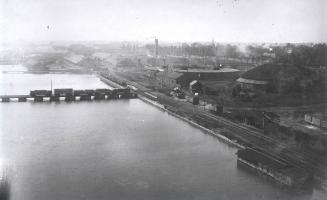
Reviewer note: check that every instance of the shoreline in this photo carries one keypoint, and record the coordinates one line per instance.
(194, 124)
(237, 140)
(185, 119)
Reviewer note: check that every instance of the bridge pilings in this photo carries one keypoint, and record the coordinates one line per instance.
(4, 99)
(85, 98)
(70, 98)
(54, 98)
(99, 96)
(22, 99)
(71, 95)
(38, 99)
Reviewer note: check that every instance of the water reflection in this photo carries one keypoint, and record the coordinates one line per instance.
(17, 83)
(4, 181)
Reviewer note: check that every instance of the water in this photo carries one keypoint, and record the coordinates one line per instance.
(118, 149)
(13, 83)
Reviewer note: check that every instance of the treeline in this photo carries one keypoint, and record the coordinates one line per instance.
(302, 55)
(313, 54)
(198, 49)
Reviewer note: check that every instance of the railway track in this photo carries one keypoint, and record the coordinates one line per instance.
(281, 109)
(304, 160)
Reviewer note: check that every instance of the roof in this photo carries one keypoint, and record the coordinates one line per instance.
(152, 68)
(266, 72)
(172, 75)
(194, 82)
(74, 58)
(215, 83)
(222, 70)
(248, 81)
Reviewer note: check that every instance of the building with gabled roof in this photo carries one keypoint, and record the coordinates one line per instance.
(259, 77)
(169, 79)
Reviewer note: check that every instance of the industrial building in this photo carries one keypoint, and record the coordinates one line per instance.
(170, 79)
(196, 87)
(183, 78)
(259, 78)
(224, 74)
(318, 120)
(218, 75)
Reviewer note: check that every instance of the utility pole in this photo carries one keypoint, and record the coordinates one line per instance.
(263, 120)
(204, 98)
(156, 47)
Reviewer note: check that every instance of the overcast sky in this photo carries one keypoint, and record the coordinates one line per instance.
(169, 20)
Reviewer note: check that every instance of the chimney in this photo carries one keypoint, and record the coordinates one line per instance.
(156, 46)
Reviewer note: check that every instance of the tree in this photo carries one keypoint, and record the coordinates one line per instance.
(232, 51)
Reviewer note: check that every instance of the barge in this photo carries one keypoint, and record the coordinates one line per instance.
(278, 170)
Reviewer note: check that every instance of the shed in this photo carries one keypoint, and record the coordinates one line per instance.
(195, 86)
(169, 79)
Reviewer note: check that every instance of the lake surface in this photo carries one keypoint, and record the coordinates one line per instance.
(23, 83)
(117, 149)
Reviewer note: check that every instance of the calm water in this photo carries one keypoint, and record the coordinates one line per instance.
(18, 83)
(118, 149)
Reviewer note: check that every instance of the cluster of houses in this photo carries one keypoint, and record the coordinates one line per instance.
(269, 78)
(209, 81)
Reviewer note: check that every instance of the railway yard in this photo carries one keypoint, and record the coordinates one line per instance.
(249, 137)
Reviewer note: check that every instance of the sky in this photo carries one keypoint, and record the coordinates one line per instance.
(168, 20)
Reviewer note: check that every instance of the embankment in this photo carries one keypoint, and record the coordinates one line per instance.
(148, 99)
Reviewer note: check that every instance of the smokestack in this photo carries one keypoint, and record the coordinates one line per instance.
(156, 44)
